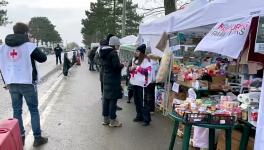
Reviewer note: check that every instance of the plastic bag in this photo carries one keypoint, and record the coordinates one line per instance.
(164, 67)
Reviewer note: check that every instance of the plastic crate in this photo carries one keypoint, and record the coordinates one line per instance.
(222, 120)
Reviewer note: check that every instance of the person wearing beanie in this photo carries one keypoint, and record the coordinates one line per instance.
(112, 90)
(142, 48)
(104, 43)
(140, 78)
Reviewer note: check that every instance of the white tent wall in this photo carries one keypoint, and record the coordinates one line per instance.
(130, 39)
(151, 41)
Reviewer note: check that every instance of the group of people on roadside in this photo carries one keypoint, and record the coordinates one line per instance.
(18, 57)
(67, 63)
(18, 67)
(140, 73)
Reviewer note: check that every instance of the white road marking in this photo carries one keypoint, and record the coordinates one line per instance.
(43, 99)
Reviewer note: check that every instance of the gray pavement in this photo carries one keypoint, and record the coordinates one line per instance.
(44, 69)
(71, 118)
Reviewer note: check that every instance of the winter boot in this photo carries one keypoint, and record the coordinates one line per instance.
(106, 121)
(23, 137)
(40, 141)
(118, 108)
(115, 123)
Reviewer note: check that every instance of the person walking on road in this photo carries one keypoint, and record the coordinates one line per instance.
(112, 90)
(91, 58)
(58, 50)
(140, 78)
(74, 58)
(67, 64)
(82, 52)
(17, 64)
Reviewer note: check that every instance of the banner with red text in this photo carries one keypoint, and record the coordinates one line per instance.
(226, 38)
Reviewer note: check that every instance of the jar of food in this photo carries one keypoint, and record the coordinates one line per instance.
(245, 114)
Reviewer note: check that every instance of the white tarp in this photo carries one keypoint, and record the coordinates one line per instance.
(151, 41)
(226, 38)
(131, 39)
(217, 11)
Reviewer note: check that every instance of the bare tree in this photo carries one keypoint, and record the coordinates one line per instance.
(161, 7)
(170, 6)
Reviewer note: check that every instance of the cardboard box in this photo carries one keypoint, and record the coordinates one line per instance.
(219, 80)
(236, 136)
(200, 85)
(218, 83)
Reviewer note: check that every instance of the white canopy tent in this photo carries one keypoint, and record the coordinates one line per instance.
(150, 33)
(216, 11)
(131, 39)
(166, 23)
(198, 16)
(204, 18)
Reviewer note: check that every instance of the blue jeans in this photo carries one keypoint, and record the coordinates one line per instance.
(29, 92)
(109, 108)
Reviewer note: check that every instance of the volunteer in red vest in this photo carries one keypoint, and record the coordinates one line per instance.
(140, 72)
(18, 67)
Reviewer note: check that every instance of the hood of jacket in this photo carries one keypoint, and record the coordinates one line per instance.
(14, 40)
(104, 42)
(104, 51)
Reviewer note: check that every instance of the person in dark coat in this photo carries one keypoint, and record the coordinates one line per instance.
(97, 60)
(112, 90)
(74, 58)
(58, 50)
(66, 64)
(129, 86)
(82, 52)
(91, 58)
(104, 43)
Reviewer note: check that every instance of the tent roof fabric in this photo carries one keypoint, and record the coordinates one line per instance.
(216, 11)
(203, 14)
(165, 23)
(131, 39)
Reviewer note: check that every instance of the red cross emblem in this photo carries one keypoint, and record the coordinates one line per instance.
(13, 55)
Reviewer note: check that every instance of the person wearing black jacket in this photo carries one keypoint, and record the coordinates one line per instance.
(129, 86)
(58, 50)
(20, 74)
(104, 43)
(112, 90)
(66, 64)
(91, 58)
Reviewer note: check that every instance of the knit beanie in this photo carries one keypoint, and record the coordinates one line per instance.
(113, 41)
(142, 48)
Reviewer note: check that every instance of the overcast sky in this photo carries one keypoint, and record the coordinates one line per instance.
(66, 15)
